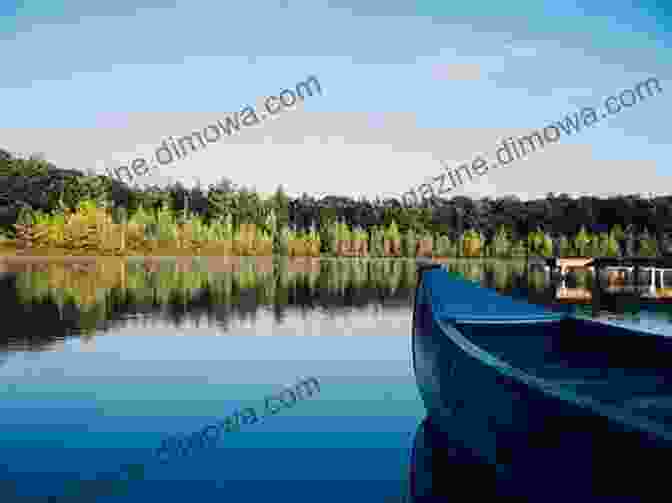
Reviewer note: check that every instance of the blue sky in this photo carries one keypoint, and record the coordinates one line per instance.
(405, 84)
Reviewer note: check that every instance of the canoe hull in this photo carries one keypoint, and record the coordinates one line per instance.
(531, 437)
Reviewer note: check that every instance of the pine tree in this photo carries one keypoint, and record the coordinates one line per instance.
(582, 241)
(617, 232)
(602, 244)
(613, 249)
(648, 247)
(565, 247)
(501, 244)
(546, 246)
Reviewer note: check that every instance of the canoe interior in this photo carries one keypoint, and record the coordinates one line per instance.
(610, 364)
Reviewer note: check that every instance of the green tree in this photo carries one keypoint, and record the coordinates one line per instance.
(613, 249)
(280, 203)
(582, 242)
(443, 246)
(546, 246)
(471, 244)
(534, 241)
(377, 248)
(603, 244)
(648, 247)
(617, 232)
(565, 247)
(410, 243)
(392, 232)
(501, 245)
(519, 249)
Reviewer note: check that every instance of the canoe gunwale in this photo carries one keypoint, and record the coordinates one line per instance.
(500, 321)
(553, 389)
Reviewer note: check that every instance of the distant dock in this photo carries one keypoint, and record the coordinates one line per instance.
(621, 271)
(630, 264)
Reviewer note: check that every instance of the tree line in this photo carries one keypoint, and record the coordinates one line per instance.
(505, 226)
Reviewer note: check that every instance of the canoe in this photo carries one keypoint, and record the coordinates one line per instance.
(549, 405)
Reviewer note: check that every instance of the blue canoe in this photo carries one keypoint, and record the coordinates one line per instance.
(546, 405)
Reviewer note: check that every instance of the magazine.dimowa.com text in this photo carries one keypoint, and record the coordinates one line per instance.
(169, 151)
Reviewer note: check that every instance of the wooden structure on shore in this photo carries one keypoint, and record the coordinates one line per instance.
(622, 271)
(631, 265)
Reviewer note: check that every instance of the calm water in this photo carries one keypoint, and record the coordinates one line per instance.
(101, 362)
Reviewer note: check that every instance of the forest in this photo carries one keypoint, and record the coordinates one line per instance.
(45, 206)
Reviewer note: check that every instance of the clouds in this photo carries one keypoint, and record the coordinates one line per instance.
(456, 71)
(344, 154)
(405, 84)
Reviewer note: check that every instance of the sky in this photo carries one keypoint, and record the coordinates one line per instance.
(407, 88)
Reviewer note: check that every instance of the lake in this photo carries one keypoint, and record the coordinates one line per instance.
(104, 359)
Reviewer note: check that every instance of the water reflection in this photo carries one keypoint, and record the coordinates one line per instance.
(46, 302)
(52, 299)
(442, 468)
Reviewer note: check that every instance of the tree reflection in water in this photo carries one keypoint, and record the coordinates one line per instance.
(51, 299)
